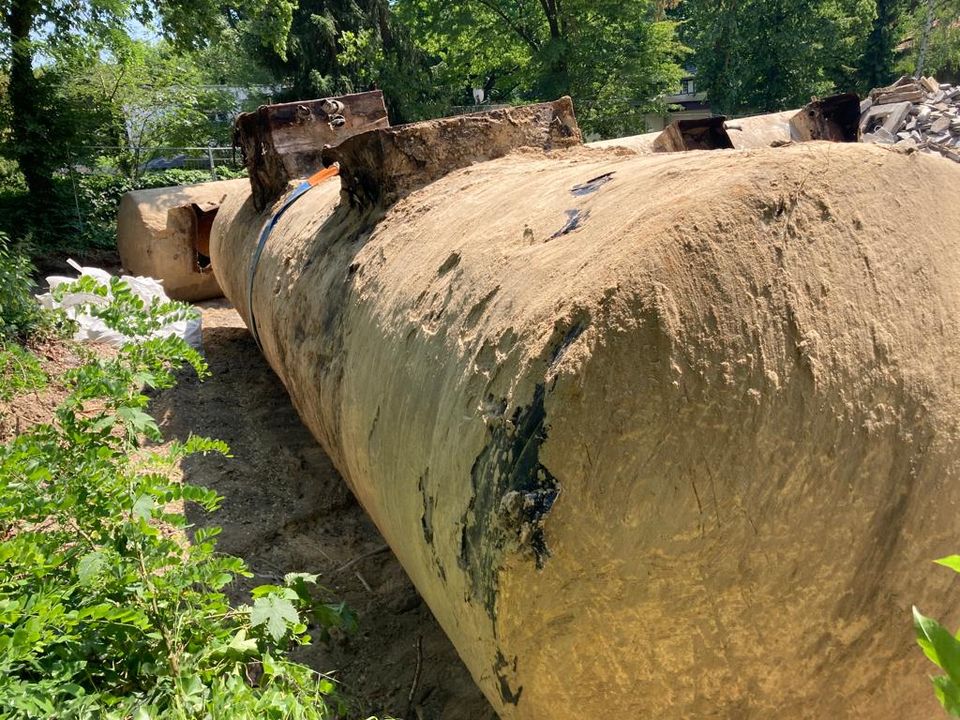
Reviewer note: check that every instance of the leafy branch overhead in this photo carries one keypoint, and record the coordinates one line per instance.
(614, 58)
(32, 29)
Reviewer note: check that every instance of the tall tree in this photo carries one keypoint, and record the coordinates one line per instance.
(32, 27)
(876, 67)
(939, 22)
(614, 58)
(344, 46)
(766, 55)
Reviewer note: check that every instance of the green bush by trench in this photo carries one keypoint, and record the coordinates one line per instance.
(108, 607)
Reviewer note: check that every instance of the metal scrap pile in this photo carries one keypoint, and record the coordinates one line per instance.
(919, 113)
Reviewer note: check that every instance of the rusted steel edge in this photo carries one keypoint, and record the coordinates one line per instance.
(283, 142)
(381, 166)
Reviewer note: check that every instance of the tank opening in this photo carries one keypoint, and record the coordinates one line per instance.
(835, 118)
(201, 239)
(699, 134)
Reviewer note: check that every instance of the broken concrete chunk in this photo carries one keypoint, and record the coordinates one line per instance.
(940, 124)
(930, 84)
(930, 121)
(880, 136)
(890, 117)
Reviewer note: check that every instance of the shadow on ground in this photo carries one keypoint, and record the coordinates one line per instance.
(286, 509)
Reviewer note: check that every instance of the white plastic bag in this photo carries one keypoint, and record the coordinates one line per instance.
(91, 329)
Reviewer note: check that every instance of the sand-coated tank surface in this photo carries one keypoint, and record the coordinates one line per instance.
(164, 233)
(655, 436)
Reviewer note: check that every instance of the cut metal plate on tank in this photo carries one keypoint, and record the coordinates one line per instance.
(283, 142)
(386, 164)
(835, 119)
(699, 134)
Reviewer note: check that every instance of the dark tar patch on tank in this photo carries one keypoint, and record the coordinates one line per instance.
(575, 217)
(506, 693)
(591, 185)
(512, 496)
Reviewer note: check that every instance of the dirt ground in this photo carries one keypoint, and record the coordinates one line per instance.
(286, 509)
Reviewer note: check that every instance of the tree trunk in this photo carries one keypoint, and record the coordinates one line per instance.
(29, 123)
(925, 39)
(553, 20)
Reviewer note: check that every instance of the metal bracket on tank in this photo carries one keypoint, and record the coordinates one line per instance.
(835, 118)
(698, 134)
(383, 165)
(282, 143)
(268, 226)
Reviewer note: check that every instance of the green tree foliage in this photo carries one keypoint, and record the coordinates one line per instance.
(343, 46)
(876, 64)
(31, 28)
(942, 56)
(613, 58)
(136, 95)
(767, 55)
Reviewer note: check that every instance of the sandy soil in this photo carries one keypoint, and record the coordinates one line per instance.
(286, 509)
(37, 406)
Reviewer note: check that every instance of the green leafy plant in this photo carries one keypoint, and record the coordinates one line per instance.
(108, 607)
(943, 649)
(20, 314)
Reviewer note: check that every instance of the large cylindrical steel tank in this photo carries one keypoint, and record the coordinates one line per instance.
(655, 436)
(164, 233)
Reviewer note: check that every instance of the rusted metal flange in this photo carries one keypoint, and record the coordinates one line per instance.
(284, 142)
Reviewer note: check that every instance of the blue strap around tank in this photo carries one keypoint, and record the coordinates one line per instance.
(268, 227)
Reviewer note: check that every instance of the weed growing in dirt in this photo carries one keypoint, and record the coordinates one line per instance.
(943, 649)
(108, 609)
(20, 371)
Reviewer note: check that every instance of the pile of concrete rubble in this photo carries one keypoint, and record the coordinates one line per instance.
(919, 113)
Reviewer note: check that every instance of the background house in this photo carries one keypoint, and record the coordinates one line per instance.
(686, 104)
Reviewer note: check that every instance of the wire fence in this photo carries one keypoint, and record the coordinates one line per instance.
(136, 161)
(93, 179)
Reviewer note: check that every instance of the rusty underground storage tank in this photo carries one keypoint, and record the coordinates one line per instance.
(655, 436)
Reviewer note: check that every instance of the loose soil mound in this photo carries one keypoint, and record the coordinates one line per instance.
(660, 436)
